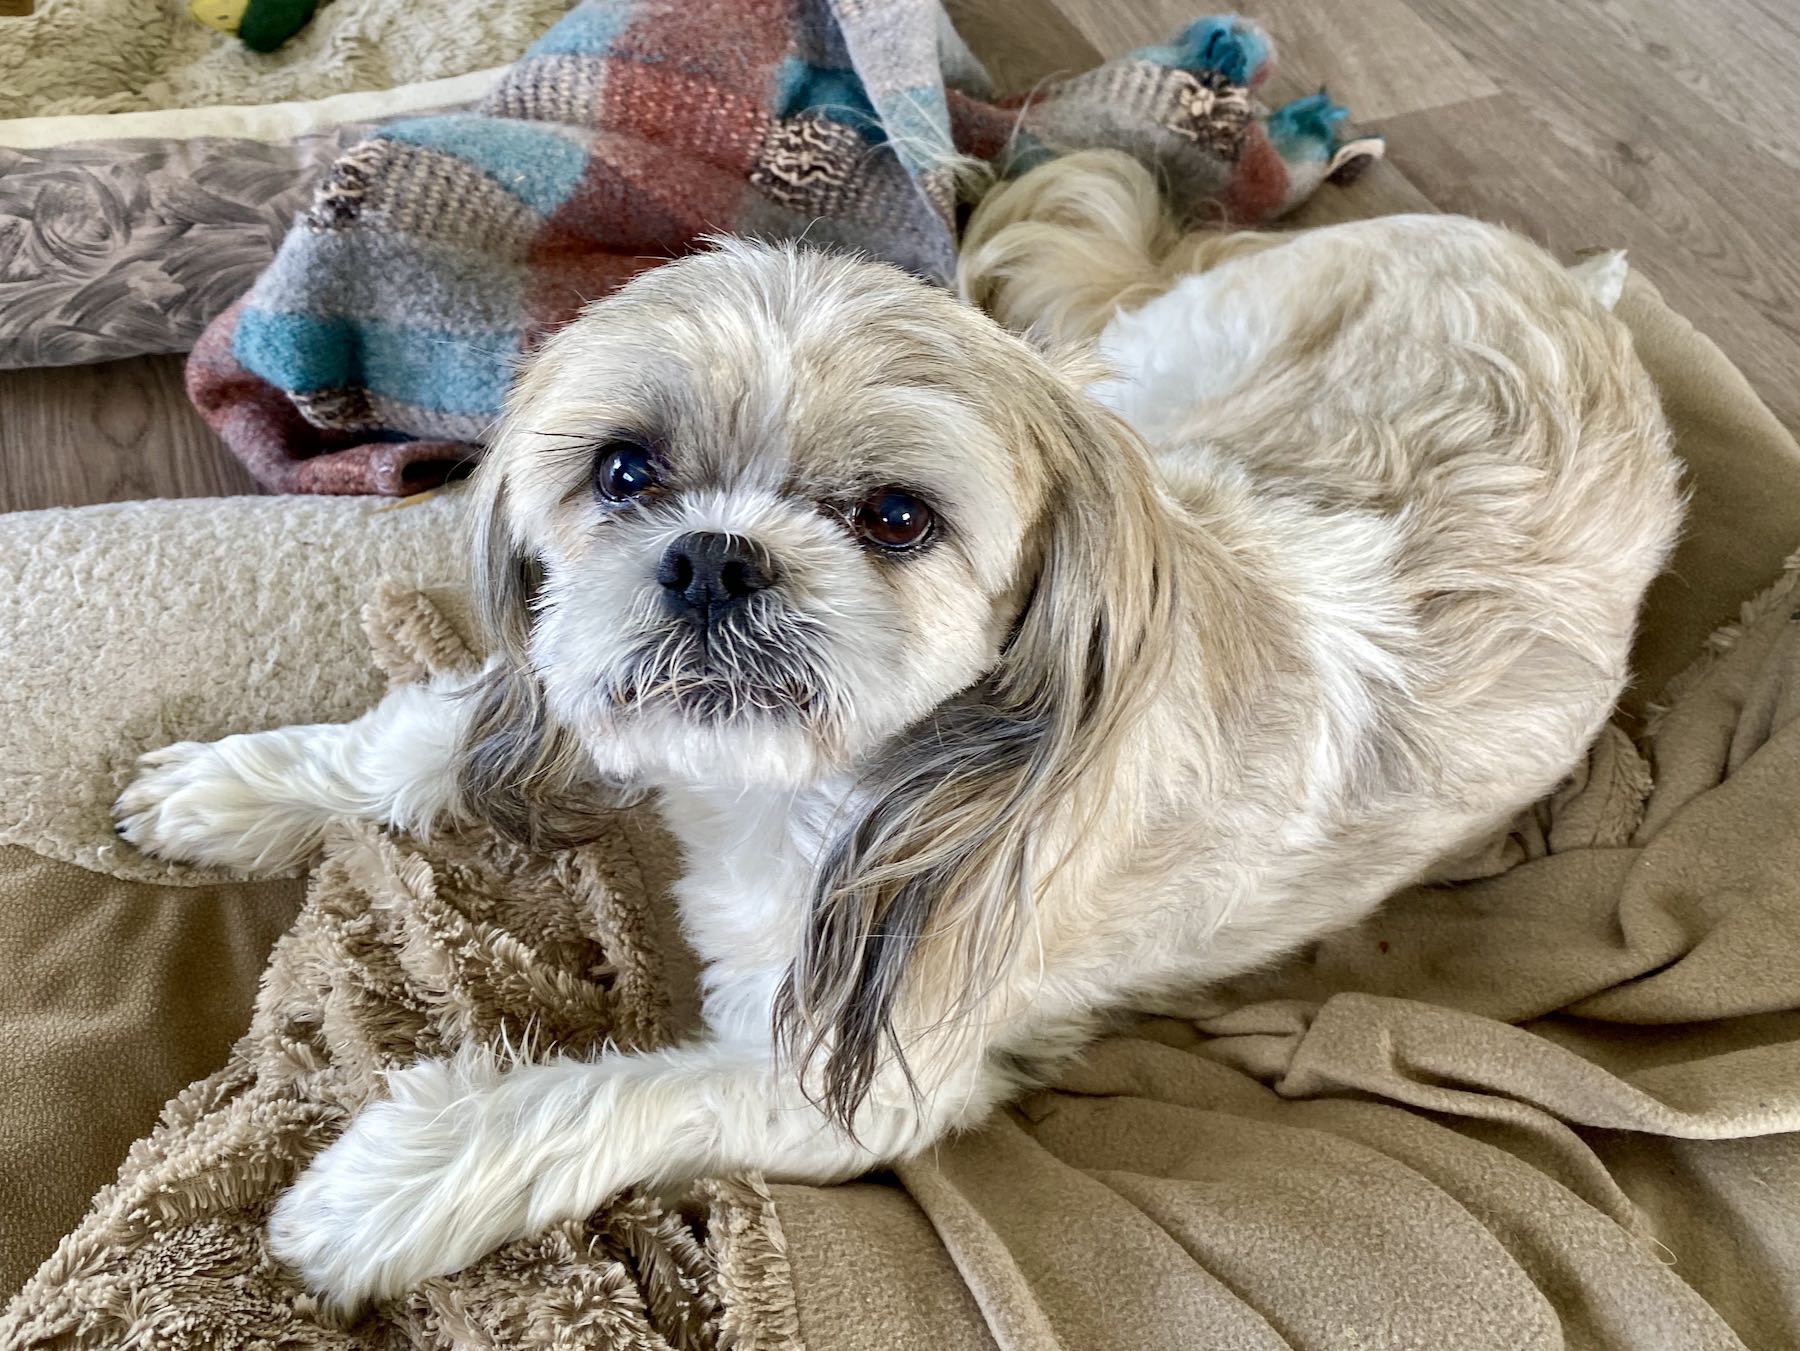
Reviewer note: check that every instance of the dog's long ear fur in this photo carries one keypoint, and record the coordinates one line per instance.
(923, 898)
(517, 769)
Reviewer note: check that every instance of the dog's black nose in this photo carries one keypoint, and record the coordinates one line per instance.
(703, 575)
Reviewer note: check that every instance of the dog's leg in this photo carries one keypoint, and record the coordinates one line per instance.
(261, 801)
(466, 1154)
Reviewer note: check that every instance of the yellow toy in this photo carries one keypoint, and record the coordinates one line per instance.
(261, 25)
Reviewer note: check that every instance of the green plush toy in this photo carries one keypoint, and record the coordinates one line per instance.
(261, 25)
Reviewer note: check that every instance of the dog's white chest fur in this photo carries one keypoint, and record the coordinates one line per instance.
(1199, 340)
(748, 863)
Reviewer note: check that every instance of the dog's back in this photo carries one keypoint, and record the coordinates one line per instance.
(1457, 468)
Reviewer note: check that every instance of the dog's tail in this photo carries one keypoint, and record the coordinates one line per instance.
(1061, 249)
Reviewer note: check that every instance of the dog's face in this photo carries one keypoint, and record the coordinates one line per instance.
(764, 516)
(781, 506)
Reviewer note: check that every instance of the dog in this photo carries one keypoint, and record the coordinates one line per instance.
(991, 684)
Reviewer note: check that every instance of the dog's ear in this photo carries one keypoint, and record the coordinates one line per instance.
(517, 770)
(1095, 634)
(1602, 275)
(928, 892)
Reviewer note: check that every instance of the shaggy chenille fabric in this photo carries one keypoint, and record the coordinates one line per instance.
(1555, 1106)
(377, 348)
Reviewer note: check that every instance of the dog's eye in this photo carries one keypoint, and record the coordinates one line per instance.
(624, 469)
(892, 519)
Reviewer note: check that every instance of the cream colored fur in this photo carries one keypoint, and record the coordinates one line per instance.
(1346, 577)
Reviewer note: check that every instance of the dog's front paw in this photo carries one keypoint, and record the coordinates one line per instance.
(414, 1188)
(208, 803)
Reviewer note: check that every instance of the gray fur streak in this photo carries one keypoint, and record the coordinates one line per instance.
(518, 769)
(864, 927)
(979, 775)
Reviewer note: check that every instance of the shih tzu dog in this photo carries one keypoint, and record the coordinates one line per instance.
(990, 685)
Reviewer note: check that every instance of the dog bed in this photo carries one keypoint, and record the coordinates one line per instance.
(1557, 1104)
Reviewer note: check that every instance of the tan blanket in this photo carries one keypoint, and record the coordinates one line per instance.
(1556, 1106)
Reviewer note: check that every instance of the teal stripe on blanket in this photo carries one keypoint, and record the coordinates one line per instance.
(392, 278)
(588, 31)
(802, 87)
(538, 166)
(1225, 44)
(433, 368)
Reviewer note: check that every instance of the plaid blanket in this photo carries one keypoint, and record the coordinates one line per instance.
(375, 352)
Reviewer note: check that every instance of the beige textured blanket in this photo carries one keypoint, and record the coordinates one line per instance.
(1557, 1105)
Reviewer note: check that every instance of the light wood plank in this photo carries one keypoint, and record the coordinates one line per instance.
(1734, 57)
(73, 435)
(1487, 159)
(1021, 41)
(1683, 165)
(1781, 14)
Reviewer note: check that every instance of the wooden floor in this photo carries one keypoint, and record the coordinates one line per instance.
(1668, 127)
